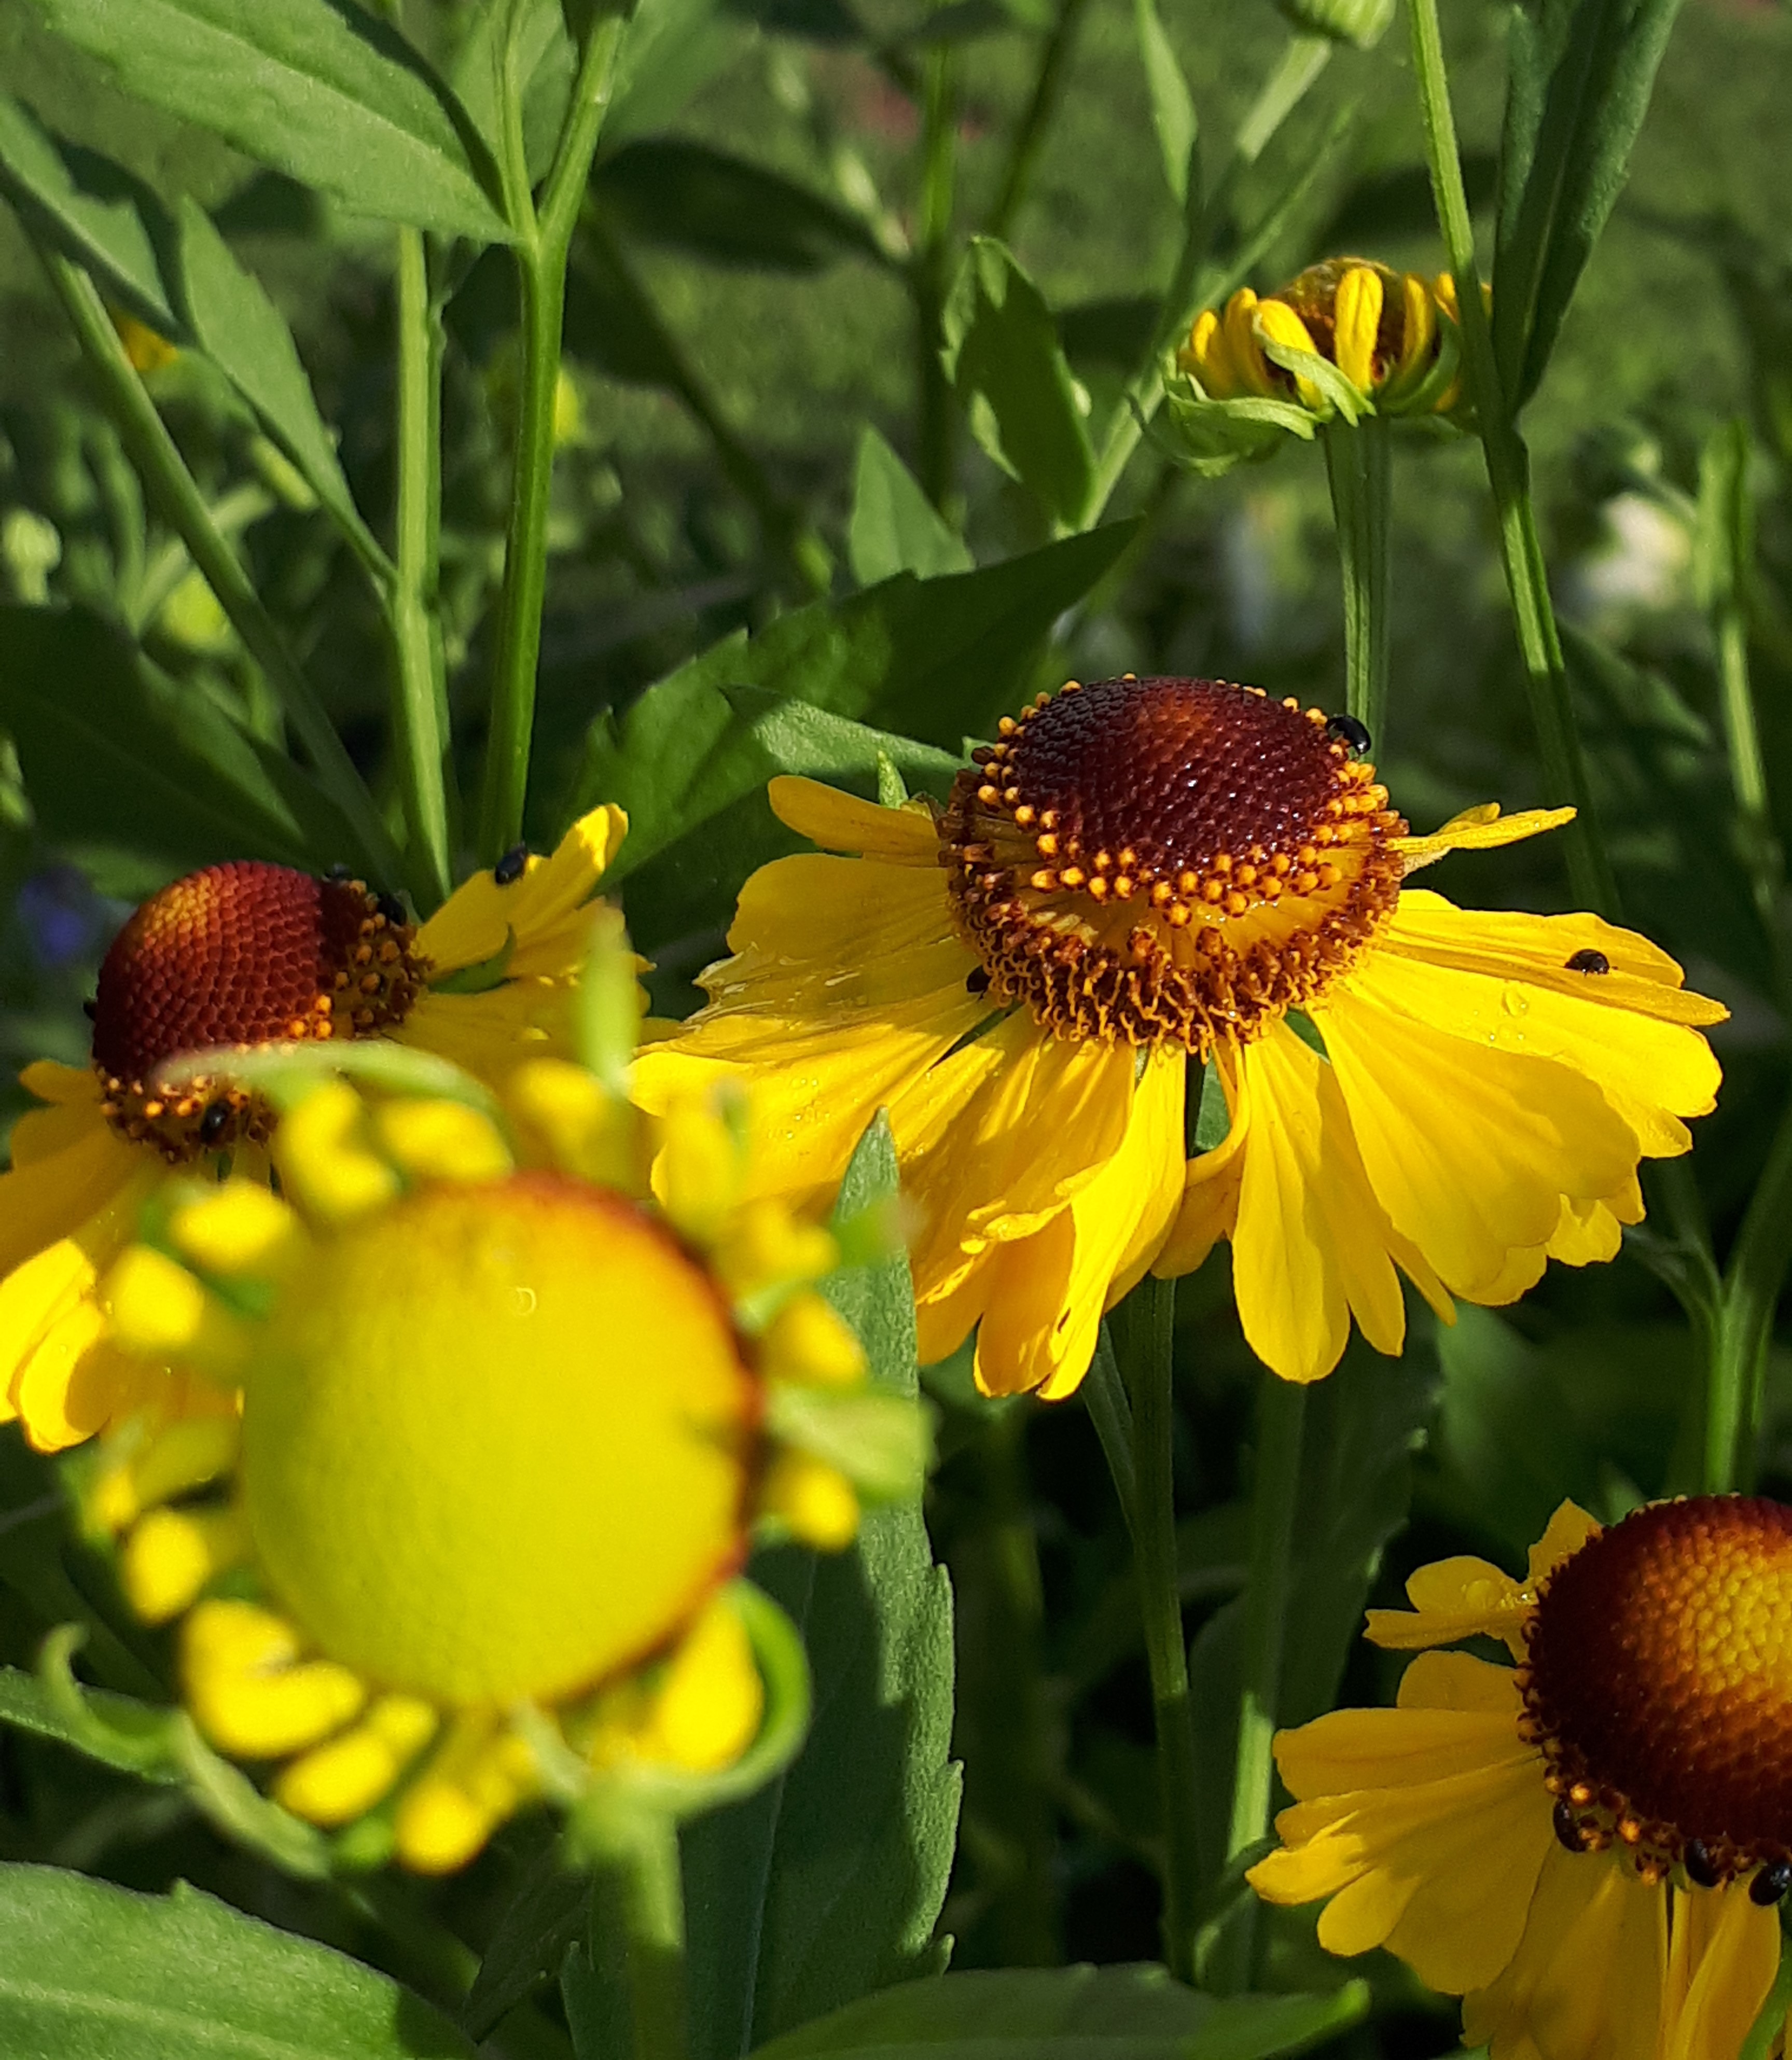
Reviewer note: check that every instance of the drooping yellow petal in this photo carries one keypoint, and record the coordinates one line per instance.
(1569, 1529)
(1586, 1982)
(1419, 331)
(1311, 1244)
(1652, 1072)
(1456, 1714)
(842, 822)
(1511, 944)
(1244, 355)
(543, 910)
(1723, 1957)
(43, 1199)
(60, 1085)
(1205, 355)
(1357, 317)
(1276, 322)
(1469, 1149)
(1453, 1600)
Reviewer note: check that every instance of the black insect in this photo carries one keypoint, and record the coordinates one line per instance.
(390, 907)
(509, 868)
(976, 980)
(339, 873)
(91, 1010)
(1771, 1883)
(1346, 729)
(1588, 961)
(1567, 1827)
(214, 1123)
(1701, 1869)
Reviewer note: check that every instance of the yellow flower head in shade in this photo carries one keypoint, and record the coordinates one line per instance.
(505, 1433)
(1347, 338)
(1586, 1849)
(1143, 872)
(235, 957)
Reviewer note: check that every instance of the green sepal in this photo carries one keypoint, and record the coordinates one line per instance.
(1211, 437)
(881, 1443)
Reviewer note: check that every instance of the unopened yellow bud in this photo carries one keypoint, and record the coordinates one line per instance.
(251, 1693)
(815, 1500)
(441, 1141)
(242, 1228)
(172, 1553)
(321, 1150)
(710, 1706)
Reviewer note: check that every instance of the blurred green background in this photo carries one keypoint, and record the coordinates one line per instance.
(727, 343)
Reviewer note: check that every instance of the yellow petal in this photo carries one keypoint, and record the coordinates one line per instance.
(1453, 1600)
(1419, 331)
(48, 1196)
(1244, 355)
(1211, 1182)
(60, 1085)
(542, 909)
(1469, 1148)
(1569, 1529)
(1276, 322)
(1204, 354)
(842, 822)
(1357, 320)
(1726, 1950)
(1482, 828)
(1586, 1982)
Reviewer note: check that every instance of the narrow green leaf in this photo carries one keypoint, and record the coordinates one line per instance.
(687, 196)
(144, 779)
(1024, 406)
(93, 210)
(117, 1731)
(894, 527)
(232, 320)
(1073, 2013)
(827, 1885)
(1172, 105)
(318, 88)
(90, 1970)
(1580, 73)
(545, 1918)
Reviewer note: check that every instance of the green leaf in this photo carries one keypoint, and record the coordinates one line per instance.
(234, 322)
(548, 1914)
(1024, 406)
(827, 1885)
(94, 211)
(1172, 105)
(1580, 76)
(141, 778)
(686, 196)
(117, 1731)
(89, 1969)
(1073, 2013)
(318, 88)
(1363, 1427)
(688, 749)
(1508, 1451)
(546, 62)
(894, 527)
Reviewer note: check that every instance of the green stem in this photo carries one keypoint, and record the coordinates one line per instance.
(937, 436)
(1358, 465)
(1147, 1326)
(543, 243)
(183, 506)
(1759, 841)
(1752, 1284)
(637, 1944)
(1301, 61)
(1508, 464)
(1029, 138)
(420, 710)
(1274, 1491)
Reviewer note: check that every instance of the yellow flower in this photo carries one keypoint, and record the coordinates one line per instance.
(503, 1433)
(248, 955)
(1587, 1848)
(1142, 872)
(1391, 334)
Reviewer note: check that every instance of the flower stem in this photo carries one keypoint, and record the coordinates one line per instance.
(1751, 1289)
(543, 242)
(1274, 1491)
(1508, 464)
(936, 433)
(1145, 1328)
(419, 710)
(637, 1944)
(1358, 467)
(183, 506)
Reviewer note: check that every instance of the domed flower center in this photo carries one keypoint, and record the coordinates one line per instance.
(498, 1446)
(239, 955)
(1659, 1682)
(1168, 860)
(1313, 295)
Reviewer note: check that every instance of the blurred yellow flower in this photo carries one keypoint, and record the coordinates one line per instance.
(236, 955)
(1144, 871)
(1586, 1849)
(503, 1433)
